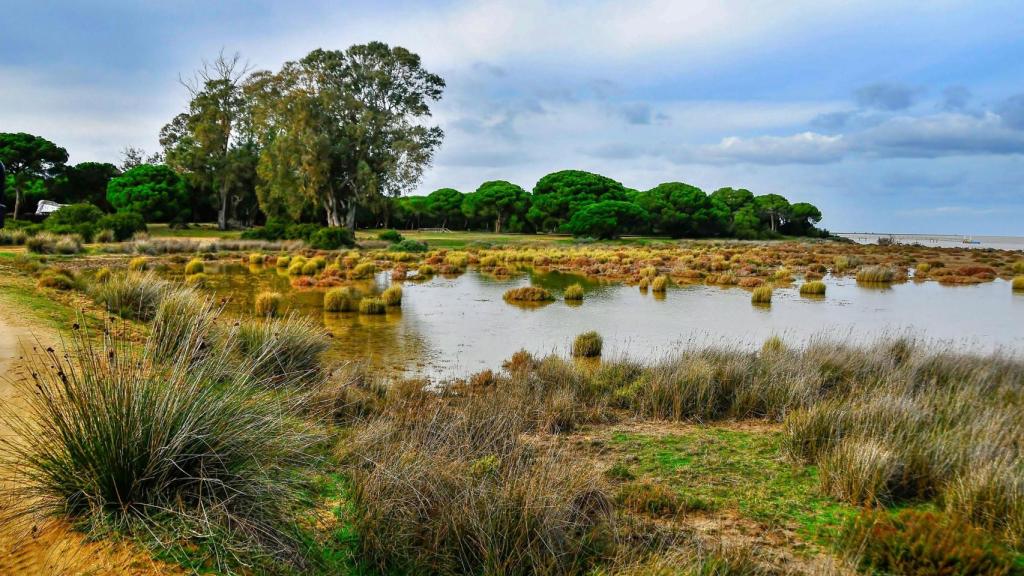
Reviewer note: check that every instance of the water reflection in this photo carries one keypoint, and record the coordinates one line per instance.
(453, 325)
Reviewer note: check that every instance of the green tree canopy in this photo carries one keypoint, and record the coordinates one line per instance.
(498, 201)
(734, 198)
(445, 205)
(558, 196)
(152, 190)
(681, 210)
(29, 157)
(87, 182)
(774, 208)
(607, 219)
(802, 218)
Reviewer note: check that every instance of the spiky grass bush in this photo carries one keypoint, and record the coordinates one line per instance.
(371, 306)
(268, 304)
(484, 502)
(57, 279)
(815, 288)
(362, 271)
(194, 266)
(528, 294)
(133, 295)
(68, 245)
(876, 275)
(296, 267)
(425, 270)
(991, 496)
(341, 299)
(102, 275)
(1018, 283)
(862, 472)
(761, 295)
(257, 258)
(111, 440)
(138, 264)
(181, 315)
(42, 243)
(283, 352)
(587, 345)
(644, 283)
(310, 268)
(574, 293)
(197, 280)
(659, 284)
(283, 261)
(392, 295)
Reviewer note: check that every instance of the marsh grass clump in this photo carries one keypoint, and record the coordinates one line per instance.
(659, 284)
(114, 441)
(587, 345)
(56, 279)
(341, 299)
(257, 258)
(392, 295)
(310, 268)
(651, 498)
(574, 293)
(814, 288)
(644, 283)
(282, 351)
(268, 304)
(182, 316)
(1018, 283)
(102, 275)
(362, 271)
(197, 280)
(283, 261)
(138, 264)
(876, 275)
(68, 245)
(42, 243)
(528, 294)
(194, 266)
(761, 295)
(371, 306)
(133, 295)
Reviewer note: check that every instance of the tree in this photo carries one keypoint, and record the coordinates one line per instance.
(746, 224)
(802, 218)
(29, 157)
(415, 208)
(132, 156)
(773, 207)
(734, 198)
(152, 190)
(607, 219)
(679, 210)
(445, 205)
(557, 196)
(87, 182)
(497, 200)
(343, 128)
(211, 142)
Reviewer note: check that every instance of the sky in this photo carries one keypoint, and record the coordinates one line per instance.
(890, 116)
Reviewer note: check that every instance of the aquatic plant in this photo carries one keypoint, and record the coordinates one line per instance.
(659, 284)
(256, 258)
(644, 283)
(342, 299)
(362, 271)
(815, 288)
(369, 305)
(587, 345)
(574, 292)
(1018, 283)
(194, 266)
(528, 294)
(761, 295)
(268, 304)
(875, 274)
(392, 295)
(283, 261)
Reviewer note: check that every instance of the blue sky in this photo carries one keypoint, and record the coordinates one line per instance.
(890, 116)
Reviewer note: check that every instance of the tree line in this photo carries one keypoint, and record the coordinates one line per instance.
(336, 138)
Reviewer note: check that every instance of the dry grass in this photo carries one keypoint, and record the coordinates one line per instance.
(815, 288)
(392, 295)
(343, 299)
(528, 294)
(587, 345)
(371, 306)
(574, 293)
(761, 295)
(268, 304)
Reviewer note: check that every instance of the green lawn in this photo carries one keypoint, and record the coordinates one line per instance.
(193, 231)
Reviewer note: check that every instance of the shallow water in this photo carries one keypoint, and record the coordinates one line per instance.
(455, 326)
(941, 240)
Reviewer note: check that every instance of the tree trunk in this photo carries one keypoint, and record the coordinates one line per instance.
(350, 216)
(497, 225)
(17, 200)
(333, 212)
(222, 214)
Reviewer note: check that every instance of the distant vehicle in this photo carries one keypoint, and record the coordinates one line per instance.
(46, 207)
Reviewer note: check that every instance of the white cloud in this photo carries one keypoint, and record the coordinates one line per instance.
(803, 148)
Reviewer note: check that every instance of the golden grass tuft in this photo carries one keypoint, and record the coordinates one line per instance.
(761, 295)
(876, 275)
(815, 288)
(574, 292)
(256, 258)
(392, 296)
(138, 263)
(283, 261)
(528, 294)
(1018, 283)
(659, 284)
(194, 266)
(371, 306)
(587, 345)
(199, 279)
(268, 304)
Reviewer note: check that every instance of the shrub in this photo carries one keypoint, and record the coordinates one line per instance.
(587, 345)
(371, 306)
(105, 236)
(132, 295)
(42, 243)
(861, 472)
(268, 304)
(409, 245)
(574, 292)
(659, 284)
(761, 295)
(392, 296)
(1018, 283)
(283, 351)
(283, 261)
(815, 288)
(57, 279)
(194, 266)
(124, 225)
(341, 299)
(919, 543)
(256, 258)
(154, 190)
(390, 236)
(528, 294)
(138, 264)
(653, 498)
(875, 274)
(102, 275)
(157, 450)
(331, 238)
(68, 245)
(362, 271)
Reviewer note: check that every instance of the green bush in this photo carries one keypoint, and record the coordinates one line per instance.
(331, 238)
(587, 345)
(390, 236)
(124, 224)
(152, 190)
(73, 215)
(607, 219)
(409, 245)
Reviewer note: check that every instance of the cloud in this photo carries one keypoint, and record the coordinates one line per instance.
(955, 98)
(886, 96)
(941, 135)
(1011, 111)
(832, 120)
(803, 148)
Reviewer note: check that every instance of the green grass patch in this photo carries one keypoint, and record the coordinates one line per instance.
(740, 470)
